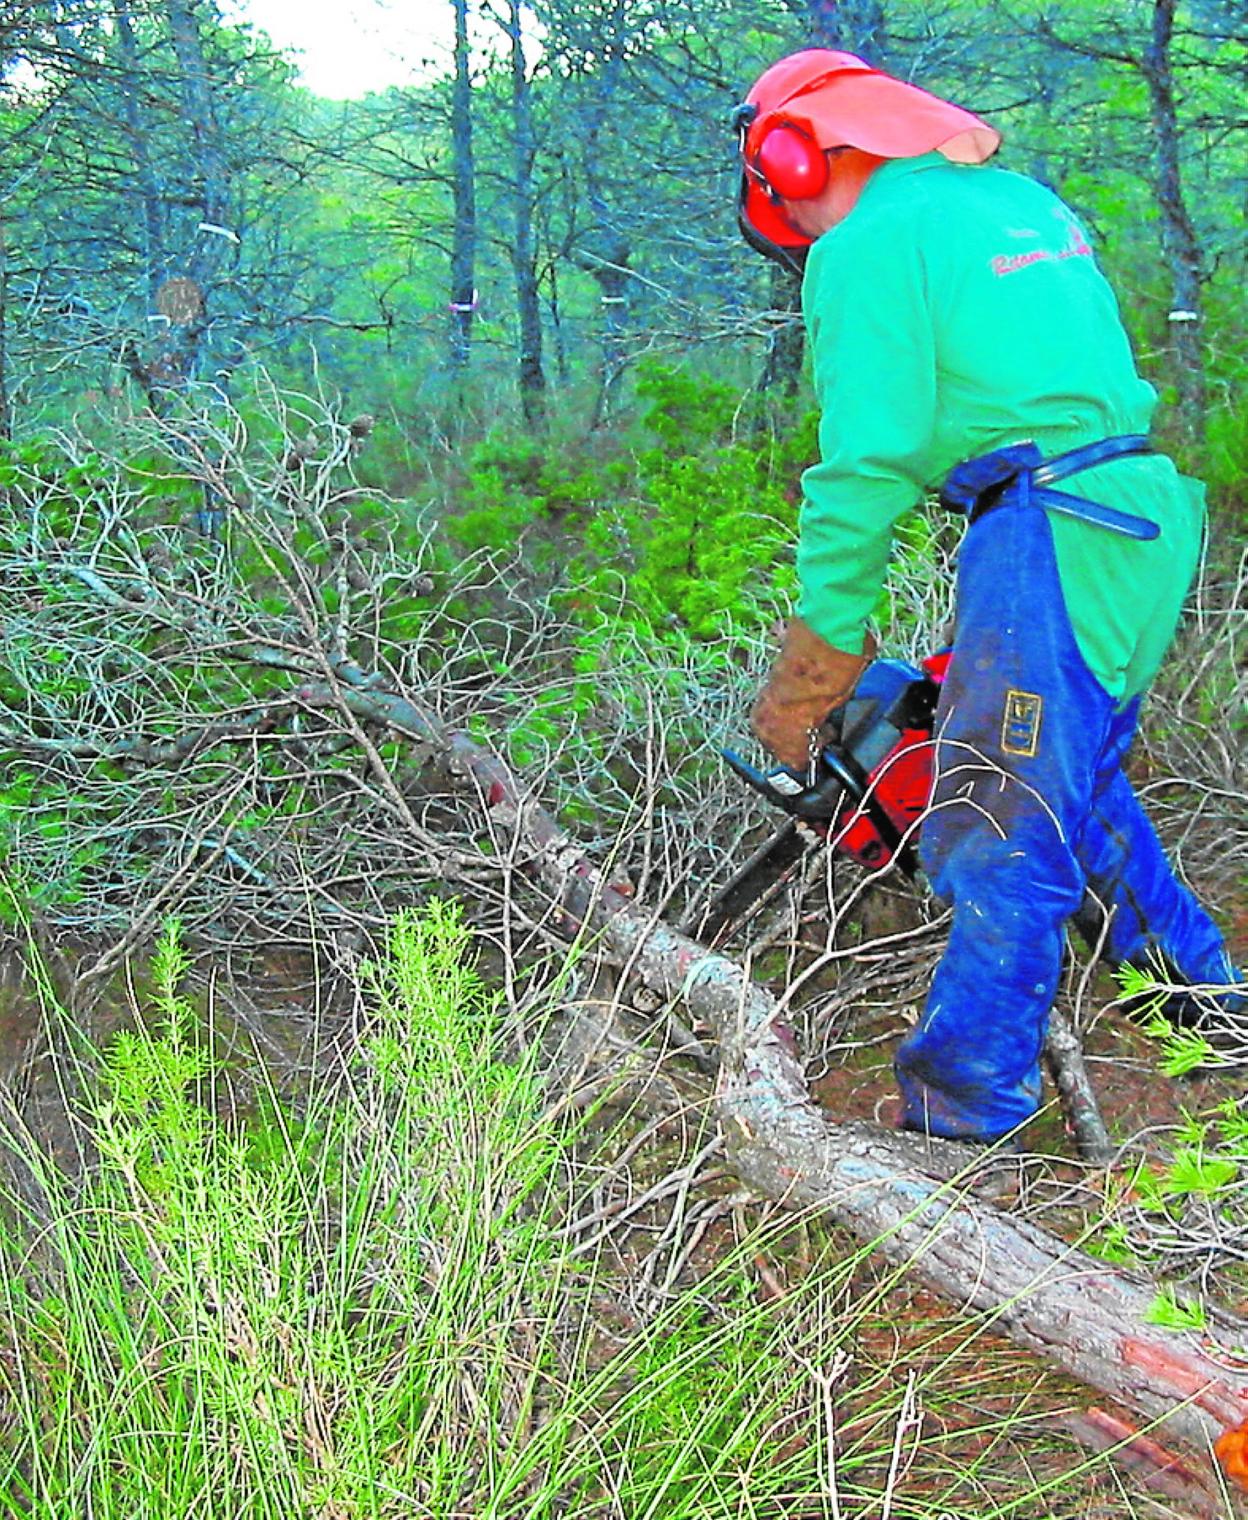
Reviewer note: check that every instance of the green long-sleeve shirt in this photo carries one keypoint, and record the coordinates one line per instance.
(953, 311)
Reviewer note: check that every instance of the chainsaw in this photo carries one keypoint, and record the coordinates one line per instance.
(862, 797)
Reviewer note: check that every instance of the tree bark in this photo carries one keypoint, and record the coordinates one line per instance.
(464, 234)
(782, 369)
(1179, 243)
(609, 250)
(612, 278)
(856, 26)
(902, 1194)
(146, 190)
(215, 237)
(532, 375)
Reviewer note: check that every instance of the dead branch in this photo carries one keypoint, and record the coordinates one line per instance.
(1064, 1052)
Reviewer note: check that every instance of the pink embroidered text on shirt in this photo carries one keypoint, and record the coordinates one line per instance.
(1006, 263)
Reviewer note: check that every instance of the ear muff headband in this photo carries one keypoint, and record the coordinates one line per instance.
(836, 101)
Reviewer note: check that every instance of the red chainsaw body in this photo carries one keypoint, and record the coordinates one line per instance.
(901, 785)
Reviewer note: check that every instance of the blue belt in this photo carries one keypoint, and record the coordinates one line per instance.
(1020, 474)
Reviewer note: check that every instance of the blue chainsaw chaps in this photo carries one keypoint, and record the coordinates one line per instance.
(1031, 810)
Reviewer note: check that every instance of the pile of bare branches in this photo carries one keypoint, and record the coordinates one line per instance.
(191, 614)
(174, 718)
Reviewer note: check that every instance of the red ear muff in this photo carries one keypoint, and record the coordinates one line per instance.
(793, 165)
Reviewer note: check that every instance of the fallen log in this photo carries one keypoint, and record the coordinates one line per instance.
(905, 1195)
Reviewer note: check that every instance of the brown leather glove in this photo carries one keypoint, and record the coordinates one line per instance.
(808, 680)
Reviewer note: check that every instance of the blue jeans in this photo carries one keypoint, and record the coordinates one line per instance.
(1030, 808)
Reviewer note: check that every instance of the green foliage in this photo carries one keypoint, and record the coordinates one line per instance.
(149, 1126)
(266, 1307)
(1111, 1241)
(714, 545)
(694, 533)
(1168, 1310)
(687, 411)
(705, 543)
(1182, 1050)
(662, 554)
(375, 1305)
(510, 484)
(1191, 1188)
(58, 488)
(1193, 1171)
(1226, 464)
(36, 813)
(556, 718)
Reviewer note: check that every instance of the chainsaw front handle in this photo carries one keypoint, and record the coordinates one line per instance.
(787, 789)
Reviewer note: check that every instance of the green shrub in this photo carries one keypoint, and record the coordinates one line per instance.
(704, 543)
(1186, 1203)
(512, 483)
(1226, 472)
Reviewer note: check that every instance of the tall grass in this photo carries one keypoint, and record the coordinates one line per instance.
(371, 1305)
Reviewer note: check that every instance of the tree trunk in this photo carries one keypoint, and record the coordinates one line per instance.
(612, 279)
(146, 190)
(1179, 243)
(558, 333)
(907, 1196)
(782, 368)
(190, 300)
(464, 234)
(532, 375)
(149, 374)
(609, 251)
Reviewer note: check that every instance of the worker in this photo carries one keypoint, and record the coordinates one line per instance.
(962, 334)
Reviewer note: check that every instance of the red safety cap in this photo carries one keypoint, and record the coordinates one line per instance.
(837, 100)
